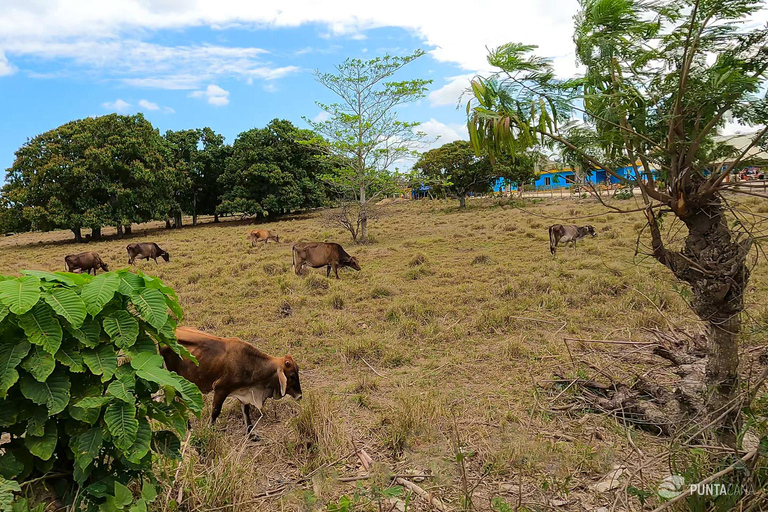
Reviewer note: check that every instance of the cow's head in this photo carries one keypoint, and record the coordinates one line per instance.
(166, 256)
(288, 377)
(591, 230)
(103, 266)
(352, 262)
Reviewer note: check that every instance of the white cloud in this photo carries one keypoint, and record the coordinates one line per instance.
(269, 87)
(450, 93)
(168, 110)
(148, 105)
(5, 67)
(441, 133)
(321, 116)
(118, 105)
(215, 95)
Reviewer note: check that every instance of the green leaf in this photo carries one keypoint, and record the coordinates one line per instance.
(66, 303)
(86, 446)
(11, 354)
(21, 294)
(122, 328)
(191, 394)
(123, 495)
(167, 443)
(50, 276)
(9, 413)
(139, 506)
(41, 327)
(36, 416)
(140, 447)
(92, 402)
(101, 360)
(148, 492)
(43, 447)
(149, 367)
(88, 334)
(175, 308)
(144, 344)
(10, 466)
(69, 355)
(120, 418)
(39, 363)
(157, 283)
(3, 312)
(7, 488)
(53, 393)
(99, 291)
(129, 282)
(152, 307)
(122, 388)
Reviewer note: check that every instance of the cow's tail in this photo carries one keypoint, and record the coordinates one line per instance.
(66, 266)
(293, 258)
(552, 239)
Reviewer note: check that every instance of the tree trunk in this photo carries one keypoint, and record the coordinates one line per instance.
(177, 220)
(215, 217)
(167, 223)
(128, 229)
(363, 231)
(78, 234)
(120, 230)
(194, 209)
(95, 233)
(462, 201)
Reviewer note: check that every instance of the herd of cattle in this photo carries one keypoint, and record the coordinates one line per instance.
(233, 367)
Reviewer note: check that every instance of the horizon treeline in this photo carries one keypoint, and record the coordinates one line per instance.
(118, 170)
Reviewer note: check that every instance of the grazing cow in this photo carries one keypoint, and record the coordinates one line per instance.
(84, 262)
(146, 251)
(322, 254)
(232, 367)
(559, 233)
(262, 235)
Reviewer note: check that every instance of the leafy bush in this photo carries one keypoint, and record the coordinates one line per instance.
(79, 366)
(624, 194)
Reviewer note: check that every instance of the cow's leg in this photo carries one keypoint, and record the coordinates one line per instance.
(219, 395)
(155, 260)
(328, 271)
(336, 271)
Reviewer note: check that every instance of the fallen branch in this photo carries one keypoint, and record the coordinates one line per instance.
(432, 500)
(371, 367)
(612, 342)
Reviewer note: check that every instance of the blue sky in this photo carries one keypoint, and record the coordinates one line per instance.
(236, 64)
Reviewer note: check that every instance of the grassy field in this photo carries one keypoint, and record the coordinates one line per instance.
(437, 358)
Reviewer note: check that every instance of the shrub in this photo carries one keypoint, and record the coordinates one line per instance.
(624, 194)
(79, 365)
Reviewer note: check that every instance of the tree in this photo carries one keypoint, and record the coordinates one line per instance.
(363, 129)
(661, 78)
(200, 155)
(455, 168)
(106, 171)
(272, 171)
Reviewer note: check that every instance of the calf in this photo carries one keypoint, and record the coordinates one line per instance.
(232, 367)
(146, 251)
(262, 235)
(84, 262)
(322, 254)
(559, 233)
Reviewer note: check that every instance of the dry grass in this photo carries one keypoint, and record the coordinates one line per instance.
(461, 312)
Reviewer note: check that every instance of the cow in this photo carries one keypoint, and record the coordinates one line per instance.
(322, 254)
(262, 235)
(232, 367)
(559, 233)
(84, 262)
(146, 251)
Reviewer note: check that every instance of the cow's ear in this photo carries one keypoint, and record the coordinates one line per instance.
(283, 381)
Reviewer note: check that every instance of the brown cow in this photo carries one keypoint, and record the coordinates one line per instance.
(322, 254)
(84, 262)
(559, 233)
(146, 251)
(262, 235)
(232, 367)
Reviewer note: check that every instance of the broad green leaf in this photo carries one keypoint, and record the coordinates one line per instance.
(122, 328)
(191, 394)
(39, 363)
(10, 466)
(129, 282)
(168, 336)
(141, 446)
(86, 446)
(3, 311)
(36, 416)
(21, 294)
(7, 488)
(175, 308)
(151, 305)
(92, 402)
(9, 413)
(88, 333)
(101, 360)
(99, 291)
(41, 327)
(123, 495)
(123, 388)
(43, 447)
(53, 393)
(50, 276)
(120, 418)
(157, 283)
(148, 492)
(11, 354)
(66, 303)
(70, 356)
(139, 506)
(149, 367)
(167, 443)
(144, 344)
